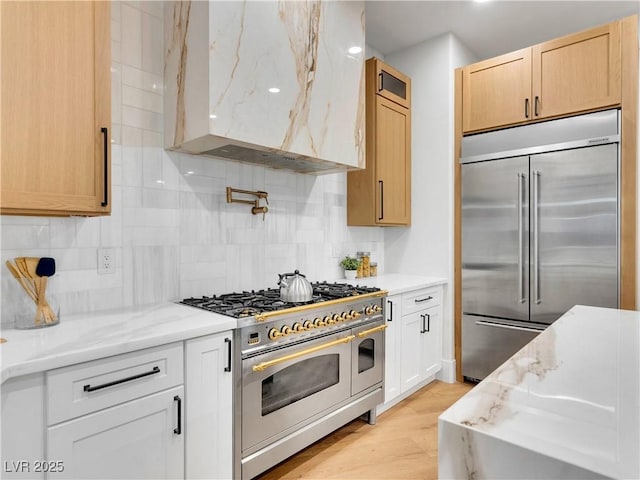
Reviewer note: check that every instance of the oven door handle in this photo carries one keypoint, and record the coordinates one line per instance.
(372, 330)
(264, 365)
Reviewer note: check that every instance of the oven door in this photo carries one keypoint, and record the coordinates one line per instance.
(283, 388)
(367, 356)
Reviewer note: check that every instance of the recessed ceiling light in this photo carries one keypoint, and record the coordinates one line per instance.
(213, 115)
(161, 182)
(274, 90)
(354, 50)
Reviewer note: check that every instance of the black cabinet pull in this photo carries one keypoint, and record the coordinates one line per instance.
(381, 185)
(228, 342)
(390, 303)
(422, 330)
(428, 323)
(526, 108)
(178, 429)
(89, 388)
(105, 134)
(420, 300)
(536, 106)
(380, 82)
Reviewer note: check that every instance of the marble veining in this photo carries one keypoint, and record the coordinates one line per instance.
(181, 14)
(302, 23)
(564, 406)
(270, 77)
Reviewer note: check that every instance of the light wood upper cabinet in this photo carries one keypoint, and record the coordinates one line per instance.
(381, 193)
(578, 72)
(573, 74)
(497, 91)
(56, 108)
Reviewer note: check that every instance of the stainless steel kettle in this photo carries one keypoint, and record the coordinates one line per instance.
(294, 287)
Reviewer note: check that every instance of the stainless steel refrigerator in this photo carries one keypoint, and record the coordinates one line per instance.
(539, 231)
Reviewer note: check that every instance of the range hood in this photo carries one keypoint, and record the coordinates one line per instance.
(272, 83)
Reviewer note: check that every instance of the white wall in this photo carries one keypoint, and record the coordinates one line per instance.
(172, 232)
(427, 247)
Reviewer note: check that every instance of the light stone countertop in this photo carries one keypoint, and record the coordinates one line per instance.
(89, 336)
(565, 406)
(83, 337)
(396, 283)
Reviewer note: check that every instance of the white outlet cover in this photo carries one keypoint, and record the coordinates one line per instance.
(106, 261)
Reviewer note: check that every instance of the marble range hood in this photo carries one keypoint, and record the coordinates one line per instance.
(224, 61)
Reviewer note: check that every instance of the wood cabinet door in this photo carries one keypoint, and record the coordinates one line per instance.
(55, 103)
(578, 72)
(393, 84)
(208, 383)
(497, 92)
(393, 163)
(137, 439)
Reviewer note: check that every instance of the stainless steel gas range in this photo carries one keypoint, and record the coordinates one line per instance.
(302, 370)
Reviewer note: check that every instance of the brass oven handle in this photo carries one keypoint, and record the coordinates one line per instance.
(264, 365)
(372, 330)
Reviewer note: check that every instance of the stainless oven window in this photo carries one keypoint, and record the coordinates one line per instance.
(299, 381)
(366, 355)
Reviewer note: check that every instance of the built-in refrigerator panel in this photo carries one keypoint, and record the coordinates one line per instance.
(495, 238)
(574, 242)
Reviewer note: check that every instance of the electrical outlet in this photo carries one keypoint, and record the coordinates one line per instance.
(106, 261)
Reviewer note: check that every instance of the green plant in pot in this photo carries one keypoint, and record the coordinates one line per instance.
(350, 265)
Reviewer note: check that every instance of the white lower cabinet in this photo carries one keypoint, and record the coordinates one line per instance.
(209, 431)
(413, 352)
(393, 348)
(143, 438)
(159, 413)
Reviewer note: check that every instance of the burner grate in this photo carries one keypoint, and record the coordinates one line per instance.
(247, 304)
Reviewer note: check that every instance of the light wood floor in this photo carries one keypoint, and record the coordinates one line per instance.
(402, 445)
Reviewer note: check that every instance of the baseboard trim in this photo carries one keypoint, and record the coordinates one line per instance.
(448, 372)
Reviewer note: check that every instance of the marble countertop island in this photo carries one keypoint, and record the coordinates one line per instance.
(565, 406)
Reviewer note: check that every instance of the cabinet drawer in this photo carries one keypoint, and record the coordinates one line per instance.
(420, 299)
(86, 387)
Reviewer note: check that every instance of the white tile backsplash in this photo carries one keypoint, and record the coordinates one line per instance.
(180, 238)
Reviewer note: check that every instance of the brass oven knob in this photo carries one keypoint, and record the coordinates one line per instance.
(354, 314)
(329, 321)
(336, 317)
(317, 322)
(344, 316)
(297, 327)
(286, 330)
(274, 334)
(307, 325)
(368, 310)
(377, 308)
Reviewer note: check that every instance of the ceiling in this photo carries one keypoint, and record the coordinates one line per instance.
(489, 28)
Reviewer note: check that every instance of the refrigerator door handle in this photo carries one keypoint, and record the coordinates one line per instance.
(509, 327)
(521, 293)
(536, 237)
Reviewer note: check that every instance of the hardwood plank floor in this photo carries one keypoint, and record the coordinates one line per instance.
(402, 445)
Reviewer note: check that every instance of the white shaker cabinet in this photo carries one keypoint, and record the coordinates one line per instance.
(118, 417)
(142, 438)
(413, 352)
(393, 347)
(421, 337)
(209, 416)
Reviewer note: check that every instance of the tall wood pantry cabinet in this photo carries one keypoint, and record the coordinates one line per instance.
(571, 74)
(56, 108)
(381, 193)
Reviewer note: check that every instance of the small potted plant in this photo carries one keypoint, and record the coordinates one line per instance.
(350, 266)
